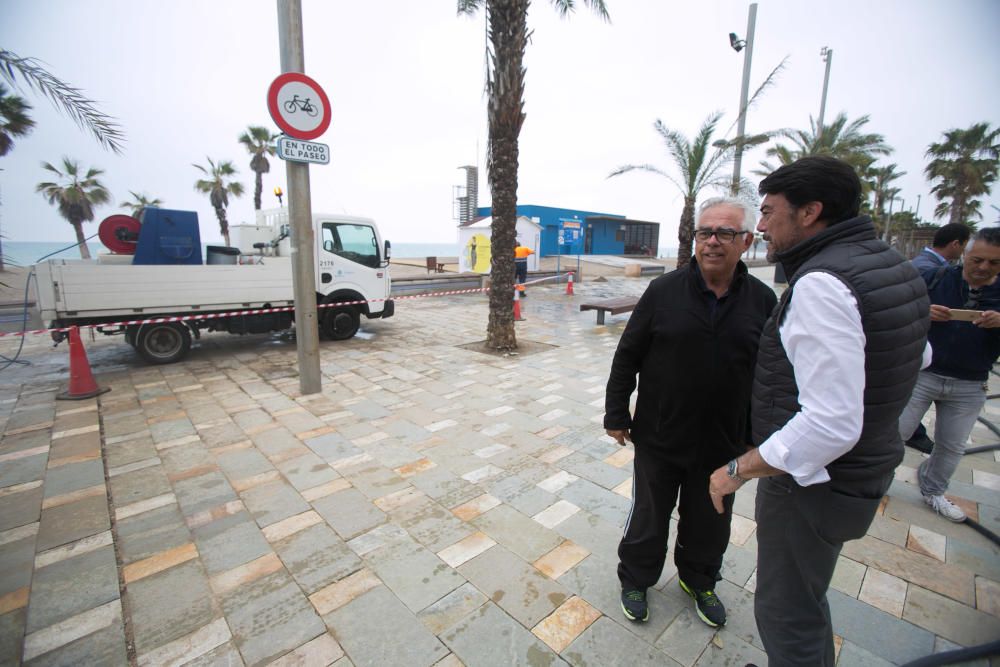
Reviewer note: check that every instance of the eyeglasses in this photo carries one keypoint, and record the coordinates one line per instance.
(724, 235)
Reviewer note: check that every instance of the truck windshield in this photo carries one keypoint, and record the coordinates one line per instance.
(350, 241)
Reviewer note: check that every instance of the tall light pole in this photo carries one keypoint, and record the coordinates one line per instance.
(738, 45)
(827, 55)
(888, 220)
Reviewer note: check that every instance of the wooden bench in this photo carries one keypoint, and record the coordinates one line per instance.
(616, 306)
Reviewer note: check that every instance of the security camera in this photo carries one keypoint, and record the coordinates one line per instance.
(736, 42)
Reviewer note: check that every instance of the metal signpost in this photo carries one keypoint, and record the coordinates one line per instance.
(301, 109)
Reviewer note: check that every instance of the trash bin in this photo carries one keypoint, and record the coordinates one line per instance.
(220, 254)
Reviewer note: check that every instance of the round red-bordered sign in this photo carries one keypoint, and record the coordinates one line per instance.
(299, 106)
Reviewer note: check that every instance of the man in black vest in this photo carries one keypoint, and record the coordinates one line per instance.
(692, 340)
(838, 359)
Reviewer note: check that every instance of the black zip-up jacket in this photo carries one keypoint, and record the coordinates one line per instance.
(694, 364)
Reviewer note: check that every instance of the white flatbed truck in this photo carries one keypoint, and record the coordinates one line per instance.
(351, 260)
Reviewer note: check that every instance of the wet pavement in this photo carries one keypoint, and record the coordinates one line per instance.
(434, 505)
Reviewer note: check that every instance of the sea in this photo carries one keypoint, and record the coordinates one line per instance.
(26, 253)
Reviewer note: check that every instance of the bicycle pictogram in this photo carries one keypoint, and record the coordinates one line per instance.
(295, 104)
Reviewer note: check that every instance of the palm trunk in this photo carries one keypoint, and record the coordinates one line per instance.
(220, 213)
(80, 238)
(685, 233)
(508, 36)
(957, 209)
(256, 193)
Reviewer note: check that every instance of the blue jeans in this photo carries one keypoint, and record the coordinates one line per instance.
(957, 404)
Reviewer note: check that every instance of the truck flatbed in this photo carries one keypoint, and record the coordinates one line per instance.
(77, 287)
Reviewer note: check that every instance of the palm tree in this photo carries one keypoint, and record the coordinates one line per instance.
(140, 203)
(508, 36)
(218, 190)
(72, 101)
(76, 196)
(14, 120)
(259, 142)
(698, 167)
(840, 139)
(879, 181)
(965, 166)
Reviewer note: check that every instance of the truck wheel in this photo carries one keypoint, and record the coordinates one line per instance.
(163, 343)
(341, 323)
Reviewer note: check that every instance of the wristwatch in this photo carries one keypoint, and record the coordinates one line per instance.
(733, 470)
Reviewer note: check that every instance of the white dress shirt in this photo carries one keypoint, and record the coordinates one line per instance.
(825, 342)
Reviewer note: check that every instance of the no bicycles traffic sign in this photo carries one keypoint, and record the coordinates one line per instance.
(299, 106)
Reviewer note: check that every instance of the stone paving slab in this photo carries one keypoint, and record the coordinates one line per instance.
(316, 557)
(466, 505)
(516, 587)
(229, 542)
(349, 513)
(270, 617)
(71, 586)
(415, 574)
(878, 632)
(361, 627)
(73, 521)
(489, 638)
(169, 605)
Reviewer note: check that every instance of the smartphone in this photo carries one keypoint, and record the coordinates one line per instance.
(965, 315)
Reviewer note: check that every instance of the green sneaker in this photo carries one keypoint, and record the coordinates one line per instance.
(708, 605)
(634, 605)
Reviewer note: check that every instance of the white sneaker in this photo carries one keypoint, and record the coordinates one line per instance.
(945, 508)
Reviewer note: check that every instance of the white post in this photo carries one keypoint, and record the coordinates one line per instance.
(827, 56)
(741, 126)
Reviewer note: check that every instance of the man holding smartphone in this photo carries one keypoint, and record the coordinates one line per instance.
(965, 339)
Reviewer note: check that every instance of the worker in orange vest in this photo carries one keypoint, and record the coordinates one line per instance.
(521, 254)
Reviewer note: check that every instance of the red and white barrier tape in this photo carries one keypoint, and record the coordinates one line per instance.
(254, 311)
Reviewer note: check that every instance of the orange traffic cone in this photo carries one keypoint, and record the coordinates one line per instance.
(569, 285)
(517, 305)
(81, 380)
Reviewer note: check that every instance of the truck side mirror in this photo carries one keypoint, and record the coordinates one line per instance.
(388, 251)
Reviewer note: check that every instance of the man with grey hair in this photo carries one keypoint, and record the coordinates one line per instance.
(692, 342)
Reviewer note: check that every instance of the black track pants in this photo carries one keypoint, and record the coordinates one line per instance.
(702, 533)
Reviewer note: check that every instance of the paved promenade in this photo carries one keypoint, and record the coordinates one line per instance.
(435, 505)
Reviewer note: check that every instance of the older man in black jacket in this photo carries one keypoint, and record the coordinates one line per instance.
(692, 341)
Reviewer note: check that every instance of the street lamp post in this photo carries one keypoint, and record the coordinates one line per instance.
(827, 55)
(738, 45)
(888, 220)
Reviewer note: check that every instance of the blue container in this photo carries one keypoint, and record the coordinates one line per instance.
(168, 237)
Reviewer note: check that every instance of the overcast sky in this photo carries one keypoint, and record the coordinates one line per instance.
(405, 80)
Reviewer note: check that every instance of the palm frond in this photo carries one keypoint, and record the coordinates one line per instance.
(73, 102)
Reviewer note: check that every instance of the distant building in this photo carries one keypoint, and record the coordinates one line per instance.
(474, 241)
(587, 232)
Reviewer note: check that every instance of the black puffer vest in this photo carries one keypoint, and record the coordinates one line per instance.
(894, 309)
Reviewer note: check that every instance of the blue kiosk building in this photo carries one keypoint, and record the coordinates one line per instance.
(571, 232)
